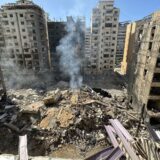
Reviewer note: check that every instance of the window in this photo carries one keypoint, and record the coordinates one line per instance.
(13, 30)
(150, 46)
(31, 15)
(5, 16)
(21, 15)
(5, 22)
(22, 23)
(16, 44)
(12, 23)
(27, 56)
(17, 50)
(114, 32)
(24, 37)
(8, 30)
(23, 30)
(26, 50)
(108, 25)
(33, 24)
(115, 19)
(33, 31)
(106, 56)
(34, 38)
(11, 15)
(25, 44)
(15, 37)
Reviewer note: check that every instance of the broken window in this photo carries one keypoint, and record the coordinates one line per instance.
(150, 46)
(154, 105)
(155, 91)
(158, 63)
(145, 73)
(156, 77)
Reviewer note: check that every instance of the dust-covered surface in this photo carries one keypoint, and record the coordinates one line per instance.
(61, 122)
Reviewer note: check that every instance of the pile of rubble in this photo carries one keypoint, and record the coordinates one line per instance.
(56, 118)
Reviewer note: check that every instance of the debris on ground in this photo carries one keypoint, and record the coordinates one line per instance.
(59, 118)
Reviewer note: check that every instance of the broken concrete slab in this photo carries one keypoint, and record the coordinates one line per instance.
(33, 108)
(52, 99)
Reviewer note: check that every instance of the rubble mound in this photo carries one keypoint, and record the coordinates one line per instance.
(57, 118)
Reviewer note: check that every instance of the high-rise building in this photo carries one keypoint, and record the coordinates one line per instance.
(120, 43)
(87, 52)
(23, 35)
(144, 69)
(104, 31)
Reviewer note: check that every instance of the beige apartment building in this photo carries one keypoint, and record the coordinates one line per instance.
(23, 35)
(104, 30)
(144, 68)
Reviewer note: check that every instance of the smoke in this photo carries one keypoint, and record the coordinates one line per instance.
(71, 52)
(15, 76)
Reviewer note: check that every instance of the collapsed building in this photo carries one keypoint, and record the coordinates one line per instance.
(143, 68)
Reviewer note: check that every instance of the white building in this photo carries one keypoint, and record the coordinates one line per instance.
(120, 42)
(104, 30)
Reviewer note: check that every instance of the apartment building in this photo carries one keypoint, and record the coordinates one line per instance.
(144, 77)
(56, 31)
(120, 43)
(104, 31)
(23, 35)
(87, 54)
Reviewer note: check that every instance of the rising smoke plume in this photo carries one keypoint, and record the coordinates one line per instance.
(15, 77)
(71, 52)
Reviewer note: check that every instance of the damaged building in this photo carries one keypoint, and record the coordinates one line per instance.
(24, 35)
(144, 69)
(56, 31)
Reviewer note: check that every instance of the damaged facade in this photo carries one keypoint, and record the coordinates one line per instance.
(23, 33)
(56, 31)
(144, 70)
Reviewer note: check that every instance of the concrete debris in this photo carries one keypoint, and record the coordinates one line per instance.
(57, 118)
(53, 99)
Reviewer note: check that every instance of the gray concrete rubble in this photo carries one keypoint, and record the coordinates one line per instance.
(63, 123)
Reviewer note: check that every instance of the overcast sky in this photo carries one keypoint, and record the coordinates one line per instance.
(129, 9)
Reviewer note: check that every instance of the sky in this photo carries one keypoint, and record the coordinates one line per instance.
(129, 9)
